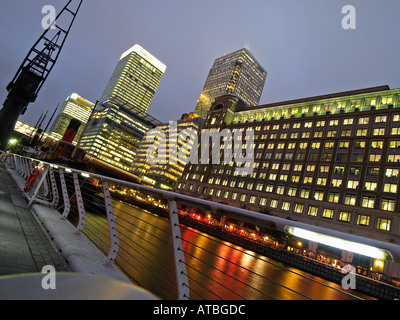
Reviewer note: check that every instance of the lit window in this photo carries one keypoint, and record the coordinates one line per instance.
(280, 190)
(333, 197)
(292, 191)
(380, 119)
(319, 195)
(379, 132)
(308, 180)
(383, 224)
(329, 144)
(305, 193)
(312, 211)
(388, 204)
(286, 205)
(370, 186)
(394, 144)
(363, 220)
(344, 216)
(274, 203)
(393, 158)
(375, 158)
(396, 131)
(350, 199)
(327, 213)
(368, 202)
(363, 120)
(390, 188)
(263, 201)
(352, 184)
(269, 188)
(390, 173)
(298, 208)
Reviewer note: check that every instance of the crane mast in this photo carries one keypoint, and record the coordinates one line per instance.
(34, 70)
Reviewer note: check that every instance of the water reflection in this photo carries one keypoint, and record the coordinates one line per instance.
(216, 269)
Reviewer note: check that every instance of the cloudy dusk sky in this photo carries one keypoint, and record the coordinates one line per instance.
(301, 44)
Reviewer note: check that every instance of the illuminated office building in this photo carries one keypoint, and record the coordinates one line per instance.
(237, 73)
(164, 175)
(120, 120)
(134, 80)
(74, 107)
(114, 133)
(331, 161)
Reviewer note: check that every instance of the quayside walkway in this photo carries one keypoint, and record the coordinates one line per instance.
(24, 245)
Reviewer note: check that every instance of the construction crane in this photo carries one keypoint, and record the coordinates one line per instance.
(34, 70)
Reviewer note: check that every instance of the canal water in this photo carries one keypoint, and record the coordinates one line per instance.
(216, 269)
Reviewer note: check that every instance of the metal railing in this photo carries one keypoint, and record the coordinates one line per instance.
(140, 230)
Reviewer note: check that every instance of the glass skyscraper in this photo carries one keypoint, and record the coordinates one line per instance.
(134, 80)
(120, 119)
(74, 107)
(237, 73)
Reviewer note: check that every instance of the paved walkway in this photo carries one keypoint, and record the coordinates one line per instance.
(24, 244)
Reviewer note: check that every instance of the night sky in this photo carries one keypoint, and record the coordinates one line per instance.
(301, 44)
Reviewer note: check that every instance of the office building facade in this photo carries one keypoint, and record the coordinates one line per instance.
(165, 140)
(114, 133)
(74, 107)
(237, 73)
(331, 161)
(134, 80)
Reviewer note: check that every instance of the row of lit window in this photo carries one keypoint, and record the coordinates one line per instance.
(284, 112)
(388, 187)
(349, 199)
(327, 134)
(341, 157)
(366, 201)
(328, 213)
(375, 144)
(323, 123)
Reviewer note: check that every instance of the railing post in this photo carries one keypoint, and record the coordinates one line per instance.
(54, 190)
(79, 204)
(67, 205)
(112, 226)
(179, 256)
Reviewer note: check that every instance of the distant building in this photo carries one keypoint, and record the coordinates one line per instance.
(134, 80)
(74, 107)
(164, 175)
(331, 161)
(114, 133)
(237, 73)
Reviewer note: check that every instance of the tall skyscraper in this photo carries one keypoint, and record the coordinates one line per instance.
(237, 73)
(120, 120)
(134, 80)
(74, 107)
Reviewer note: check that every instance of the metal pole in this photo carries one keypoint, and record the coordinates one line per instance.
(67, 205)
(79, 204)
(112, 226)
(179, 256)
